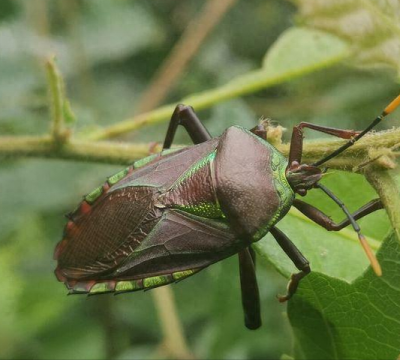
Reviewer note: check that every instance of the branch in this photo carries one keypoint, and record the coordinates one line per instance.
(124, 153)
(243, 85)
(354, 156)
(174, 343)
(182, 53)
(76, 150)
(388, 191)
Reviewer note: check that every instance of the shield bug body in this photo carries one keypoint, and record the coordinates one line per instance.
(172, 214)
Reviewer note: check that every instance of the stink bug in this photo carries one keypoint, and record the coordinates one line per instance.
(172, 214)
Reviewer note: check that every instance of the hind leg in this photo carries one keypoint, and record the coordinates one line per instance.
(185, 116)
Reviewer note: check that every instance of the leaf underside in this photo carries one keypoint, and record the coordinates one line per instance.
(333, 319)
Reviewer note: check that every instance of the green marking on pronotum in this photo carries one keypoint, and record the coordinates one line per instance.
(284, 190)
(197, 166)
(156, 281)
(204, 209)
(93, 195)
(117, 177)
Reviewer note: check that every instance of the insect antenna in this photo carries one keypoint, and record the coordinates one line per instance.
(388, 109)
(371, 256)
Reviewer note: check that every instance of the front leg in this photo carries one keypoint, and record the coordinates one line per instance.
(296, 143)
(326, 222)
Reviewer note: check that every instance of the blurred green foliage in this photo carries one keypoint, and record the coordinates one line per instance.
(108, 52)
(358, 320)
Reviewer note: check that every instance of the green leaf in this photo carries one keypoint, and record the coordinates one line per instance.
(336, 254)
(371, 28)
(297, 53)
(332, 319)
(285, 60)
(300, 48)
(340, 311)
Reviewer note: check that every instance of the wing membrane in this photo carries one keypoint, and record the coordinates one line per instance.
(180, 241)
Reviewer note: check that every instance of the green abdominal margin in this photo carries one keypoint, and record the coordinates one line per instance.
(284, 190)
(122, 286)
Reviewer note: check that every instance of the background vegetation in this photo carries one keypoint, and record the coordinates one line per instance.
(328, 62)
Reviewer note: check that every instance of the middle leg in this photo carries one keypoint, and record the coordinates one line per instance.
(296, 143)
(185, 116)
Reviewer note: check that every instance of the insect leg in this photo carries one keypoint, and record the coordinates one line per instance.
(388, 109)
(326, 222)
(296, 143)
(363, 241)
(253, 255)
(249, 288)
(185, 116)
(298, 260)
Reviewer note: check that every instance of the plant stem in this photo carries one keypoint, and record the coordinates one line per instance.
(124, 153)
(243, 85)
(77, 150)
(388, 191)
(174, 343)
(183, 52)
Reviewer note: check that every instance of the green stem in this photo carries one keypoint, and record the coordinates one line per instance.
(174, 343)
(124, 153)
(56, 94)
(77, 150)
(388, 191)
(244, 85)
